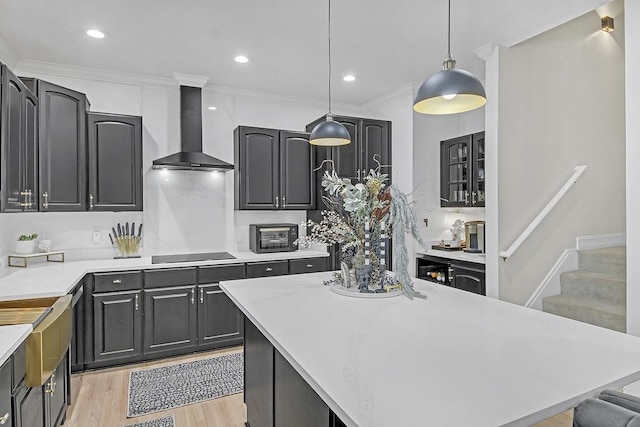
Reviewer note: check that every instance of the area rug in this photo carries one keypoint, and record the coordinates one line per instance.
(159, 389)
(158, 422)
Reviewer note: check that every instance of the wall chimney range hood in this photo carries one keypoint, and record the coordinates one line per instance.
(191, 157)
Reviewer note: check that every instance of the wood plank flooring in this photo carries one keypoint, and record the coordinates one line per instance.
(100, 400)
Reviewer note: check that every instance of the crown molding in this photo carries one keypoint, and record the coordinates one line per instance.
(32, 67)
(396, 94)
(190, 79)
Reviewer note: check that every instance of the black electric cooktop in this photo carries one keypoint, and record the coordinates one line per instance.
(209, 256)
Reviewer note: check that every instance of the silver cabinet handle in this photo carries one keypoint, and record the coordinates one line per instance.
(466, 197)
(358, 173)
(90, 201)
(52, 385)
(4, 418)
(284, 203)
(193, 296)
(277, 202)
(201, 296)
(117, 282)
(268, 269)
(23, 202)
(473, 198)
(309, 265)
(135, 299)
(45, 203)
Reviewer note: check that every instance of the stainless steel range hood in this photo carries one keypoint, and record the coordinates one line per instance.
(191, 156)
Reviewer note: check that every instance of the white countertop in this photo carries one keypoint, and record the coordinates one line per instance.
(457, 255)
(57, 279)
(453, 359)
(10, 339)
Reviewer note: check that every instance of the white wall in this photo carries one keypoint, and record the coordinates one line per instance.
(183, 211)
(561, 104)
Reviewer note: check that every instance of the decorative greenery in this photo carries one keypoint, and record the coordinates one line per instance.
(375, 204)
(26, 237)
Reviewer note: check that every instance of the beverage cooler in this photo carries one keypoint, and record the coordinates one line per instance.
(467, 276)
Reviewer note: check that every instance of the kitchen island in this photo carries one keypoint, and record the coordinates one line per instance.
(452, 359)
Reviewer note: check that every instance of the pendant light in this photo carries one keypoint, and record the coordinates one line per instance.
(451, 90)
(329, 132)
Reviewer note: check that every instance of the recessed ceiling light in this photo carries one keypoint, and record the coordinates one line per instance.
(349, 78)
(213, 108)
(241, 59)
(96, 34)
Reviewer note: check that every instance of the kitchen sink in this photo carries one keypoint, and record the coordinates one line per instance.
(49, 341)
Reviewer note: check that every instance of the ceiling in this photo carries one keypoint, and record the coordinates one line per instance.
(386, 44)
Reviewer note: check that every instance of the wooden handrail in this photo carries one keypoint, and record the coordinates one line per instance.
(579, 170)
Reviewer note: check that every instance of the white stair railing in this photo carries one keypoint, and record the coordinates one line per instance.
(579, 170)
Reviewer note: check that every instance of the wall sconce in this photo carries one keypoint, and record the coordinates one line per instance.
(607, 24)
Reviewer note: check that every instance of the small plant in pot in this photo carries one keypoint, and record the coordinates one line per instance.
(26, 244)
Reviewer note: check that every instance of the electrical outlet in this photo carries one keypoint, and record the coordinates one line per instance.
(97, 234)
(426, 222)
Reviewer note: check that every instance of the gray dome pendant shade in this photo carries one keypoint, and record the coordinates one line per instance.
(451, 90)
(329, 133)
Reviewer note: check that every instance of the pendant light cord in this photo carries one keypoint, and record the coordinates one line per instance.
(449, 32)
(329, 33)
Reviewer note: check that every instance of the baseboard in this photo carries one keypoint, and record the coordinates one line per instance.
(584, 243)
(550, 285)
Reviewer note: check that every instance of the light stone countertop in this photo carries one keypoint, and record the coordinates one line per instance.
(452, 359)
(456, 255)
(10, 339)
(48, 279)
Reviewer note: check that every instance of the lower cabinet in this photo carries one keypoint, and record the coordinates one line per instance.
(219, 320)
(468, 277)
(29, 407)
(5, 394)
(170, 318)
(117, 326)
(258, 377)
(55, 396)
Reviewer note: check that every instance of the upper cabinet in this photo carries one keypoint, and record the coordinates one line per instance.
(115, 162)
(462, 173)
(273, 169)
(62, 148)
(18, 145)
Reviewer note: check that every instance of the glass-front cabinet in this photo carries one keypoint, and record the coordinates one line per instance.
(462, 173)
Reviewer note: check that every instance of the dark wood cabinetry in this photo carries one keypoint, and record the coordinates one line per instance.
(5, 394)
(62, 148)
(115, 162)
(29, 407)
(467, 276)
(258, 377)
(170, 318)
(273, 169)
(219, 320)
(117, 325)
(55, 396)
(462, 171)
(18, 145)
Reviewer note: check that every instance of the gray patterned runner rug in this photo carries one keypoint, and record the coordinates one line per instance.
(159, 389)
(158, 422)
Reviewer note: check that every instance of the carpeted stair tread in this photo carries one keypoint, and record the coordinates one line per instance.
(604, 260)
(606, 315)
(588, 284)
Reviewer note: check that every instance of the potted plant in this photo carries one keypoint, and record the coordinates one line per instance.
(26, 244)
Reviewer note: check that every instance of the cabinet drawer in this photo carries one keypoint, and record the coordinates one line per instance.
(122, 281)
(219, 273)
(19, 365)
(170, 277)
(307, 265)
(267, 268)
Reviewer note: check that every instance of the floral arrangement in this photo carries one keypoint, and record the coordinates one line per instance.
(456, 229)
(361, 217)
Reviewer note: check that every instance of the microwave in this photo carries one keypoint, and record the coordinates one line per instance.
(264, 238)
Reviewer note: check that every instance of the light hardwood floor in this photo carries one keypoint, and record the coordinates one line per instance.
(100, 400)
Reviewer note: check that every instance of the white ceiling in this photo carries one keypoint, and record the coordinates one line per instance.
(384, 43)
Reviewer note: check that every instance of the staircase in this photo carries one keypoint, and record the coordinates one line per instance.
(596, 293)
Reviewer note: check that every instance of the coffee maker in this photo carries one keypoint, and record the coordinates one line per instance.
(474, 234)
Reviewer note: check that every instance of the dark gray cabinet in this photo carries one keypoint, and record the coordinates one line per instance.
(55, 396)
(5, 394)
(18, 145)
(62, 148)
(117, 325)
(170, 318)
(467, 276)
(274, 169)
(462, 171)
(115, 162)
(219, 320)
(258, 377)
(28, 405)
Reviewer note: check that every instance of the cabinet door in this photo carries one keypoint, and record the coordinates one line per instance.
(258, 377)
(455, 173)
(219, 320)
(117, 325)
(55, 396)
(169, 318)
(28, 405)
(297, 189)
(477, 170)
(257, 171)
(12, 142)
(115, 162)
(30, 150)
(62, 148)
(376, 145)
(296, 403)
(468, 279)
(347, 158)
(5, 394)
